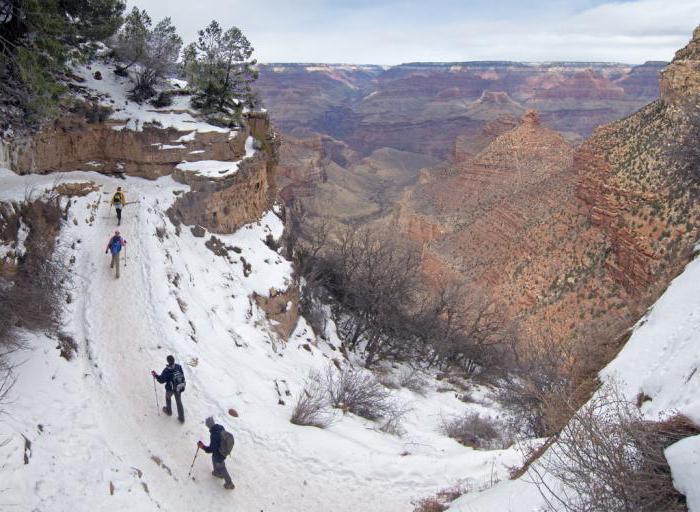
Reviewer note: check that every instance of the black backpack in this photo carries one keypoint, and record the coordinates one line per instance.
(226, 443)
(178, 379)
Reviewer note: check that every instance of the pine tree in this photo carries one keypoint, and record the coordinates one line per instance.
(220, 68)
(36, 39)
(154, 51)
(130, 42)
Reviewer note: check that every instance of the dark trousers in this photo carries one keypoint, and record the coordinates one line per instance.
(178, 402)
(221, 471)
(118, 207)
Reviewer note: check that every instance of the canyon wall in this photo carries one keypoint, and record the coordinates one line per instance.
(424, 107)
(569, 242)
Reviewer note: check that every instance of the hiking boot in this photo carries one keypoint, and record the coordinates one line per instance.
(229, 486)
(217, 474)
(167, 411)
(181, 420)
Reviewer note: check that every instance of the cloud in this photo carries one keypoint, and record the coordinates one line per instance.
(395, 31)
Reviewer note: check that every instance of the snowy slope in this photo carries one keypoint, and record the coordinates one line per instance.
(661, 359)
(85, 434)
(102, 442)
(113, 92)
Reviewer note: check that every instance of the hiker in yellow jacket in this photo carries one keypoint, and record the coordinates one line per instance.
(118, 201)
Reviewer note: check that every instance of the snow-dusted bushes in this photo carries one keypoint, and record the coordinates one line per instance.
(608, 457)
(33, 290)
(31, 294)
(312, 406)
(358, 392)
(476, 431)
(349, 389)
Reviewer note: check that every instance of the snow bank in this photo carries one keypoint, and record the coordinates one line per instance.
(217, 168)
(212, 168)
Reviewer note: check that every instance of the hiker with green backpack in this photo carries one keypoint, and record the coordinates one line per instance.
(220, 446)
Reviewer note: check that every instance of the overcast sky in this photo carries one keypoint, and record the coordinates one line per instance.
(396, 31)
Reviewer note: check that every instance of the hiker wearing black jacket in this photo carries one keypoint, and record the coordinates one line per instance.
(218, 460)
(174, 379)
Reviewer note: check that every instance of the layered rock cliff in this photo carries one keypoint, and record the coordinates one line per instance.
(159, 145)
(569, 242)
(423, 107)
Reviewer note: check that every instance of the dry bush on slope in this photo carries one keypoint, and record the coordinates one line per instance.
(475, 431)
(358, 392)
(312, 406)
(608, 458)
(32, 293)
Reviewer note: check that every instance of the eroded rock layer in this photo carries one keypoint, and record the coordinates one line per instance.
(568, 241)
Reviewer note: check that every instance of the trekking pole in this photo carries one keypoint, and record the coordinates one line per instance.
(155, 392)
(125, 257)
(192, 465)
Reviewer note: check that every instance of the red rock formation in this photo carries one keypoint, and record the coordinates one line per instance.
(569, 241)
(583, 85)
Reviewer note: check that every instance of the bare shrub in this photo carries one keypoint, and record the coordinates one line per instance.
(358, 392)
(412, 379)
(67, 345)
(431, 504)
(537, 389)
(312, 406)
(382, 308)
(608, 457)
(441, 500)
(393, 420)
(313, 310)
(475, 431)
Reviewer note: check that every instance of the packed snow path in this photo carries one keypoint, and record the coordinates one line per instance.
(98, 440)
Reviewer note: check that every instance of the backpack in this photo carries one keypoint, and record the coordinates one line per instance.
(118, 198)
(178, 379)
(226, 443)
(115, 244)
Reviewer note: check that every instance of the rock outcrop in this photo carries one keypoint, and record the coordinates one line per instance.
(679, 81)
(219, 204)
(71, 143)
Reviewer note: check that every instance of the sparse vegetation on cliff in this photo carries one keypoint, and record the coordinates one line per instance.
(609, 457)
(219, 66)
(383, 309)
(37, 37)
(153, 49)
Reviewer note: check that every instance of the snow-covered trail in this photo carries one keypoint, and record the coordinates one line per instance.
(124, 340)
(101, 426)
